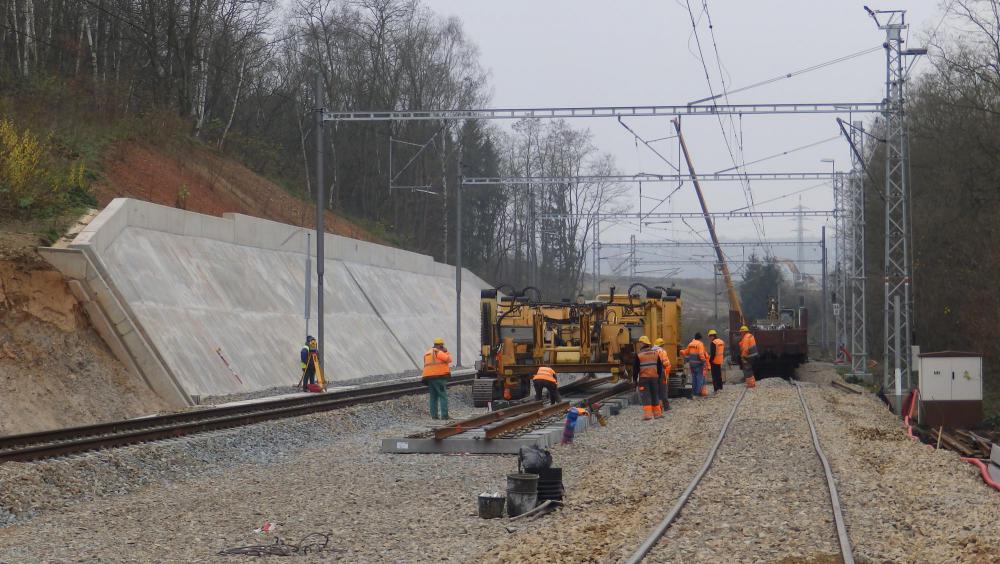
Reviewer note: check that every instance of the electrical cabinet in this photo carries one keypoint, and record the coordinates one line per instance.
(951, 389)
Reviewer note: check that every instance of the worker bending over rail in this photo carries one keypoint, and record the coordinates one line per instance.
(748, 355)
(665, 381)
(697, 360)
(716, 355)
(435, 377)
(647, 372)
(545, 379)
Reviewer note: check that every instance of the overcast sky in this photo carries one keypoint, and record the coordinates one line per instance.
(630, 52)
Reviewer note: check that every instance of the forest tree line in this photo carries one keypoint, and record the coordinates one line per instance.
(241, 74)
(953, 119)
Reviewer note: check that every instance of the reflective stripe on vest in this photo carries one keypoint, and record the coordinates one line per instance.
(694, 351)
(720, 346)
(664, 358)
(545, 374)
(647, 363)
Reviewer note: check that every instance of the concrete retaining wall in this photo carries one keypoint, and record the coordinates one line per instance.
(191, 286)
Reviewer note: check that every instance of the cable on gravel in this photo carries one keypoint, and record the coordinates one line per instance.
(311, 543)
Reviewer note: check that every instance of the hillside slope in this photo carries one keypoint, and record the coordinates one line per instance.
(199, 179)
(55, 371)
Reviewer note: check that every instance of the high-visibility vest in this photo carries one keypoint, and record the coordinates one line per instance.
(748, 346)
(664, 358)
(647, 364)
(720, 347)
(545, 374)
(436, 364)
(304, 362)
(695, 352)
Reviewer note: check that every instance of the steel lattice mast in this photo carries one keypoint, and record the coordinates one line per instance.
(897, 311)
(841, 221)
(856, 274)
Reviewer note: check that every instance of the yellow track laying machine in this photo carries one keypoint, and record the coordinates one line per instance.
(599, 336)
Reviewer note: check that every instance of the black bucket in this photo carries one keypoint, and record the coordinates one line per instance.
(491, 506)
(550, 486)
(522, 493)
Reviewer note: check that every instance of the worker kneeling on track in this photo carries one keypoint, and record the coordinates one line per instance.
(545, 379)
(665, 381)
(435, 375)
(648, 371)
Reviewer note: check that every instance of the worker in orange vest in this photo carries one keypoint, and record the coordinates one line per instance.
(647, 371)
(748, 355)
(716, 355)
(697, 360)
(667, 367)
(545, 379)
(435, 376)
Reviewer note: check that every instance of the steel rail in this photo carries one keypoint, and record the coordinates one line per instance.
(838, 514)
(464, 425)
(654, 537)
(457, 427)
(525, 419)
(661, 529)
(60, 442)
(845, 387)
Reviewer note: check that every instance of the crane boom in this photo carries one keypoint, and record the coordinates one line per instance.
(734, 299)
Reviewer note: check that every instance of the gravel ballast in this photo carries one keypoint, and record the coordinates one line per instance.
(765, 496)
(184, 500)
(903, 501)
(377, 507)
(622, 480)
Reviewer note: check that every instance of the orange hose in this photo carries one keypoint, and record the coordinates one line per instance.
(983, 471)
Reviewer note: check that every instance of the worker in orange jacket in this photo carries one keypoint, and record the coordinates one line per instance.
(748, 354)
(667, 367)
(435, 376)
(697, 360)
(647, 371)
(545, 379)
(716, 355)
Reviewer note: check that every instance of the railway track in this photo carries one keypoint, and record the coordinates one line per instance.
(655, 536)
(524, 415)
(73, 440)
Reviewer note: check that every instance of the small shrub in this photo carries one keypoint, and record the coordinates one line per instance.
(35, 180)
(182, 196)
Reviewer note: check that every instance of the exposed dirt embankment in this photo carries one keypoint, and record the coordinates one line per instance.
(199, 180)
(55, 371)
